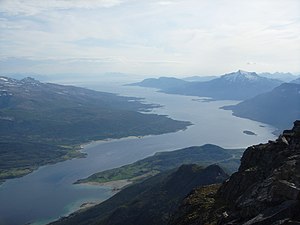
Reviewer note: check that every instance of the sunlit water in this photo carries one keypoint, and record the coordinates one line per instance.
(49, 193)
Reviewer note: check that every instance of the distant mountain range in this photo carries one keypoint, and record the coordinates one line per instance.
(279, 107)
(266, 100)
(55, 119)
(296, 81)
(285, 77)
(163, 83)
(200, 78)
(238, 85)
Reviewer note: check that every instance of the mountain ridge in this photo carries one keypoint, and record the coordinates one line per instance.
(203, 155)
(57, 119)
(238, 85)
(151, 201)
(279, 107)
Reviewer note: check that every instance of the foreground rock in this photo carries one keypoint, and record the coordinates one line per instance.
(265, 190)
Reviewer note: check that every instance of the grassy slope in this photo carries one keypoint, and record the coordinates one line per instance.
(149, 202)
(163, 161)
(200, 207)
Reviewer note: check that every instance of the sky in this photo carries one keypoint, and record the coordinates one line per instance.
(149, 37)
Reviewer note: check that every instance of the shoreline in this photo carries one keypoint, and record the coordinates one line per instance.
(115, 186)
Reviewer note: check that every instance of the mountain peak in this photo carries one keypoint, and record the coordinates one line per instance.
(30, 80)
(241, 76)
(244, 72)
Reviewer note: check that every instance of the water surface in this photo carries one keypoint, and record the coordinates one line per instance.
(49, 193)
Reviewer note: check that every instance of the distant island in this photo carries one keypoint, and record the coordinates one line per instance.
(42, 123)
(248, 132)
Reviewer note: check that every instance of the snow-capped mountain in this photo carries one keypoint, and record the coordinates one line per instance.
(241, 76)
(238, 85)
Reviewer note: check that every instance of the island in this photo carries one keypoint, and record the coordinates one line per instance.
(248, 132)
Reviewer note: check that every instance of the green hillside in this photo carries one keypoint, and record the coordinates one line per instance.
(44, 123)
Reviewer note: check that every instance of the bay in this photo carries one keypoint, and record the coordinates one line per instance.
(48, 193)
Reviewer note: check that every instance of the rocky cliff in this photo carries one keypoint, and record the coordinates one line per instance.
(265, 190)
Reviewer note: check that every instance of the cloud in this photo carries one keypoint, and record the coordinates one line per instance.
(152, 37)
(33, 7)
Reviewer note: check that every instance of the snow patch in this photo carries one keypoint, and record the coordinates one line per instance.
(241, 76)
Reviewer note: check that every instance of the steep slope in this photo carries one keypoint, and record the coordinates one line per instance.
(279, 107)
(238, 85)
(264, 191)
(150, 202)
(42, 123)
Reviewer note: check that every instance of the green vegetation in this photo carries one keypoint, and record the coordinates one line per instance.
(152, 201)
(21, 158)
(45, 123)
(201, 206)
(163, 161)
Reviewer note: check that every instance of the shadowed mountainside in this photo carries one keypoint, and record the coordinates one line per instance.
(150, 202)
(279, 107)
(264, 191)
(228, 159)
(44, 123)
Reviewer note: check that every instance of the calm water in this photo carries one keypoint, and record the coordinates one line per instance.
(48, 193)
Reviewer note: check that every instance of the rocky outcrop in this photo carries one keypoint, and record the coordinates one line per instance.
(266, 188)
(264, 191)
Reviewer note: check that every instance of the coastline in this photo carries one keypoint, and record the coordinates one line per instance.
(115, 186)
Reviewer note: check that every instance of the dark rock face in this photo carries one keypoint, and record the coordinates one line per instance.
(266, 189)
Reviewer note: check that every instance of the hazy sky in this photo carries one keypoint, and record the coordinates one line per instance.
(149, 37)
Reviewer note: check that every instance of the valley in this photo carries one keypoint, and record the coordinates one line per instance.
(56, 181)
(262, 97)
(42, 123)
(161, 112)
